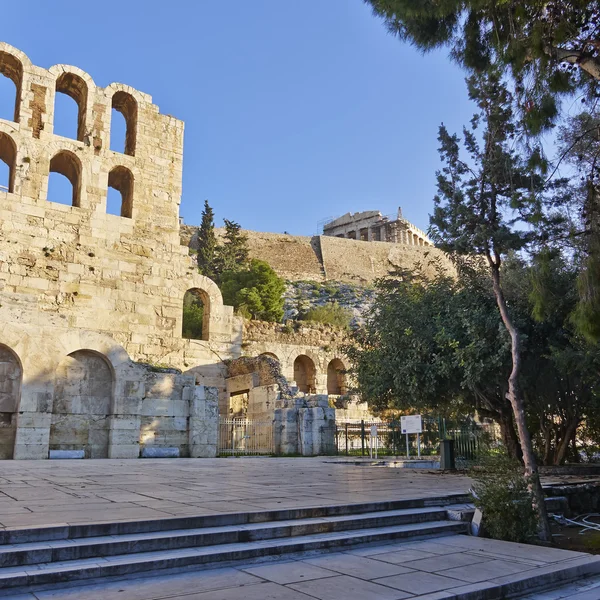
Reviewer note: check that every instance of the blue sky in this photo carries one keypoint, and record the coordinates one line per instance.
(295, 111)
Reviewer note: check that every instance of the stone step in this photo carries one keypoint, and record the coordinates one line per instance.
(74, 531)
(125, 564)
(31, 553)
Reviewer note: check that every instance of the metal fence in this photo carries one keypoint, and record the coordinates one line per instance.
(353, 438)
(245, 437)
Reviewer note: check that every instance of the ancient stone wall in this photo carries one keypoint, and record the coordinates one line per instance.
(79, 286)
(325, 258)
(310, 356)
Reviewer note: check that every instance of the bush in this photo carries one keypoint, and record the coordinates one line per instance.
(256, 292)
(502, 494)
(331, 314)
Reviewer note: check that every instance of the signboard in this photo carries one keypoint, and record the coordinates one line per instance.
(411, 424)
(373, 430)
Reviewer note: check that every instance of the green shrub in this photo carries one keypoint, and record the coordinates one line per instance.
(255, 292)
(193, 313)
(331, 314)
(503, 496)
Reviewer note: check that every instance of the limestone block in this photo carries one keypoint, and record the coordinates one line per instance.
(124, 451)
(153, 452)
(32, 452)
(27, 420)
(66, 454)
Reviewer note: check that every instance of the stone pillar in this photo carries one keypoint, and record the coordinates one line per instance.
(316, 428)
(285, 431)
(32, 437)
(125, 422)
(204, 422)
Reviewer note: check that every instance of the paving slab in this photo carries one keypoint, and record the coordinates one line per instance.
(44, 492)
(345, 587)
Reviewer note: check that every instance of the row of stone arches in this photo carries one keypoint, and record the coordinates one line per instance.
(81, 405)
(67, 164)
(305, 375)
(74, 86)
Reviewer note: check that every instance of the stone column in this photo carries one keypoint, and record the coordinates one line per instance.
(125, 422)
(32, 437)
(204, 422)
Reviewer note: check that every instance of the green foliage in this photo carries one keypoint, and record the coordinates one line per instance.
(232, 255)
(256, 292)
(549, 48)
(207, 243)
(503, 496)
(331, 314)
(193, 312)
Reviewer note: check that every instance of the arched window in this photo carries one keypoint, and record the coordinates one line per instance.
(69, 119)
(65, 189)
(123, 129)
(81, 408)
(305, 374)
(336, 378)
(11, 374)
(120, 192)
(195, 315)
(8, 156)
(11, 71)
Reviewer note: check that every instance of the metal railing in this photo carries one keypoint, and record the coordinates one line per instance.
(353, 438)
(245, 437)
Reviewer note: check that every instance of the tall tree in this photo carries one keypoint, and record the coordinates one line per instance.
(207, 243)
(233, 253)
(480, 209)
(580, 145)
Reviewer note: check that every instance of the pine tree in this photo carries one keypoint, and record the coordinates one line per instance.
(233, 254)
(207, 243)
(480, 209)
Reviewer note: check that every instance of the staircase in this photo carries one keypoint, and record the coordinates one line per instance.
(46, 555)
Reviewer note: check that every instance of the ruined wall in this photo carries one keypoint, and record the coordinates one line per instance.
(75, 280)
(305, 352)
(325, 258)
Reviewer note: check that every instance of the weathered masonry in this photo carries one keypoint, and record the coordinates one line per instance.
(92, 358)
(86, 296)
(372, 226)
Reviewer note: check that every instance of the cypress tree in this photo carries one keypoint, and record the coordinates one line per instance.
(207, 243)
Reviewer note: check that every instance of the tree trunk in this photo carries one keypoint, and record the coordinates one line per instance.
(509, 436)
(515, 398)
(561, 450)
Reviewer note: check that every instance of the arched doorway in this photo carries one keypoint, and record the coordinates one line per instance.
(336, 378)
(305, 374)
(82, 404)
(11, 375)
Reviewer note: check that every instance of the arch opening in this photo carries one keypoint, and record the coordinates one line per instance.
(305, 374)
(11, 375)
(270, 355)
(65, 189)
(336, 378)
(120, 192)
(196, 309)
(123, 131)
(82, 404)
(11, 71)
(8, 160)
(69, 120)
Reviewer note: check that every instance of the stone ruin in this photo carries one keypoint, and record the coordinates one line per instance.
(92, 359)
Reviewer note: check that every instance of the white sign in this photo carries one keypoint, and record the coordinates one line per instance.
(373, 430)
(411, 424)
